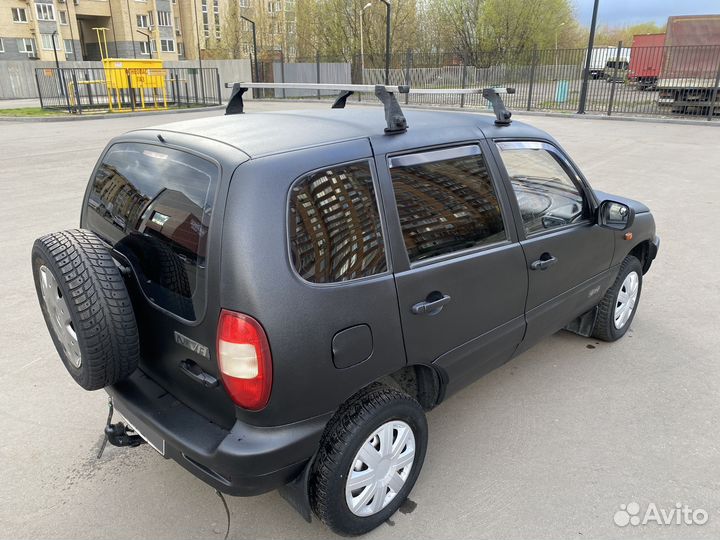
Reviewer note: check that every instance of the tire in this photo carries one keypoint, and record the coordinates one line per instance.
(606, 328)
(376, 408)
(86, 306)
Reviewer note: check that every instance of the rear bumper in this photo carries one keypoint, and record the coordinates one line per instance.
(245, 460)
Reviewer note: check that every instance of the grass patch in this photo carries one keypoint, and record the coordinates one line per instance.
(27, 112)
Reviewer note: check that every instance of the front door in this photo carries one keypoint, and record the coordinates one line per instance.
(568, 255)
(461, 277)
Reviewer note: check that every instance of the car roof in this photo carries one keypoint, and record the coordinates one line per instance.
(265, 133)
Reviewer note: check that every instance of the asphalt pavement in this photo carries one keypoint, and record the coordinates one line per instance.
(548, 446)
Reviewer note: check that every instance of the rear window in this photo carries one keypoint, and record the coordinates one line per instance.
(335, 231)
(153, 204)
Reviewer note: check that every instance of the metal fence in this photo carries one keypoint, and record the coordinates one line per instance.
(79, 90)
(675, 82)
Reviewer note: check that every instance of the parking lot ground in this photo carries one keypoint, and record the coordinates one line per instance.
(548, 446)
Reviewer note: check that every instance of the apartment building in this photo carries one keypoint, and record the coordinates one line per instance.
(165, 29)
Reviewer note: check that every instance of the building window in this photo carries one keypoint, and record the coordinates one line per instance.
(216, 12)
(19, 15)
(178, 30)
(2, 46)
(47, 42)
(144, 47)
(26, 46)
(291, 27)
(143, 21)
(206, 19)
(335, 231)
(164, 18)
(274, 7)
(244, 3)
(45, 12)
(446, 202)
(63, 17)
(68, 46)
(167, 45)
(181, 49)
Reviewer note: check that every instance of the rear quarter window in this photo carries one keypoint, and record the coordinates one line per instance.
(154, 204)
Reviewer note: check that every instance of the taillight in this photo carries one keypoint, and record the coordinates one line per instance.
(244, 360)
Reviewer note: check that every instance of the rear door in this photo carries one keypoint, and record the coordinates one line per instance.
(568, 254)
(156, 206)
(459, 271)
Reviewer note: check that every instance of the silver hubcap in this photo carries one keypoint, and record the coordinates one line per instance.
(380, 468)
(59, 316)
(627, 297)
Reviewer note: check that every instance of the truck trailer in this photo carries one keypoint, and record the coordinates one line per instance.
(690, 73)
(646, 58)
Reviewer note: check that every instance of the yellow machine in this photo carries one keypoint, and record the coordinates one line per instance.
(141, 80)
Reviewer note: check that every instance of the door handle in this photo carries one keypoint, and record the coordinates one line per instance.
(196, 373)
(432, 305)
(544, 262)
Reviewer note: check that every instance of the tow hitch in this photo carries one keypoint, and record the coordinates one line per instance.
(118, 434)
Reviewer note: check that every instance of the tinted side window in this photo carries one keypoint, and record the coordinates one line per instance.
(445, 203)
(546, 194)
(154, 205)
(335, 231)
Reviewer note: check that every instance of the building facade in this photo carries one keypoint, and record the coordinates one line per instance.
(164, 29)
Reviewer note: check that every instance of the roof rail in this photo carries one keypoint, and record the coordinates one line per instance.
(394, 118)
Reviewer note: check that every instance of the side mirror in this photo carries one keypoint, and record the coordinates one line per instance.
(615, 215)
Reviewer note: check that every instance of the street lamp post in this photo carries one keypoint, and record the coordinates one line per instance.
(362, 51)
(255, 55)
(197, 31)
(586, 71)
(147, 37)
(557, 31)
(387, 41)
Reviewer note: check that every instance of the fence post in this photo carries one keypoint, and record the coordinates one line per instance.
(614, 76)
(282, 72)
(131, 92)
(219, 87)
(714, 93)
(77, 91)
(317, 70)
(89, 89)
(37, 82)
(408, 64)
(464, 83)
(533, 64)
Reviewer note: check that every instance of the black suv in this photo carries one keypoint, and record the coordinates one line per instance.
(273, 300)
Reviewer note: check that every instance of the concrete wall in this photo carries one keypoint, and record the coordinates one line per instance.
(17, 78)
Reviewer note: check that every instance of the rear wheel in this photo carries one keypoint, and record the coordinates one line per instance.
(86, 307)
(370, 457)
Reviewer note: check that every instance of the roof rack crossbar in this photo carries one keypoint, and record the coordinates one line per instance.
(394, 118)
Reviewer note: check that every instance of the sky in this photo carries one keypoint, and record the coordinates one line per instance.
(627, 12)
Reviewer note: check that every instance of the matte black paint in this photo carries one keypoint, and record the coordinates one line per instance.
(499, 306)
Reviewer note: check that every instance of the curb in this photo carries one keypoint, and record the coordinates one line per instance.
(105, 116)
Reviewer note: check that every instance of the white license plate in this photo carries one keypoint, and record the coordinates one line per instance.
(141, 428)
